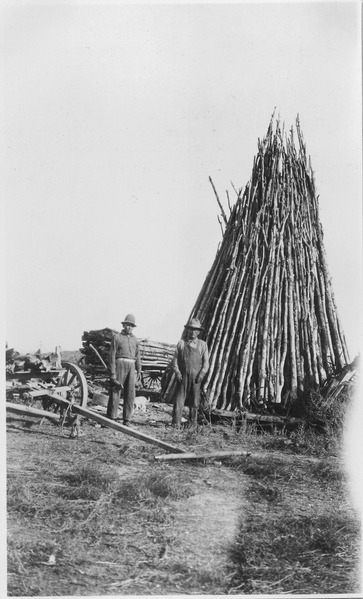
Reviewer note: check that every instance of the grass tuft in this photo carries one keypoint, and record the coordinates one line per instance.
(330, 471)
(153, 486)
(87, 482)
(265, 492)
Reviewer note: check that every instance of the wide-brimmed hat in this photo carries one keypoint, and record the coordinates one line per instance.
(129, 319)
(194, 323)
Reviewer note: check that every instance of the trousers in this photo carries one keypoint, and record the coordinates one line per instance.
(125, 374)
(187, 390)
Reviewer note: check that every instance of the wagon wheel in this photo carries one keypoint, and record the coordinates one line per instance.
(151, 380)
(73, 377)
(82, 361)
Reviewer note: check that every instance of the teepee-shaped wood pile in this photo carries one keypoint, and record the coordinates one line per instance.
(267, 305)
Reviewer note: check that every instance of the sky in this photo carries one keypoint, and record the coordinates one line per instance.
(114, 117)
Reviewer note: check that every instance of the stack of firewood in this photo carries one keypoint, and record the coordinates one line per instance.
(95, 349)
(267, 305)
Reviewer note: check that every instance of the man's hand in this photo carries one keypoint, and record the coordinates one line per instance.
(115, 383)
(198, 378)
(179, 377)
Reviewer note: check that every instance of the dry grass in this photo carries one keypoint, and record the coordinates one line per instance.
(109, 514)
(296, 554)
(94, 519)
(297, 535)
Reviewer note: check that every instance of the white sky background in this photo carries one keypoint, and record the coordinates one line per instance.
(116, 115)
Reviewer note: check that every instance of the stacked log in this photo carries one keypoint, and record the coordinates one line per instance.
(267, 305)
(100, 340)
(343, 382)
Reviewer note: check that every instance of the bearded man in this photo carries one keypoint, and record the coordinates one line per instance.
(190, 364)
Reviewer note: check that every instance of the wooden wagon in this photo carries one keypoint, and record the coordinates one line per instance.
(60, 394)
(34, 390)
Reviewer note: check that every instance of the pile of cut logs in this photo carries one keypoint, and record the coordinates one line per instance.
(267, 305)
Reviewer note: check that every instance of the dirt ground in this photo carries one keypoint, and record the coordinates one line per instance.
(181, 539)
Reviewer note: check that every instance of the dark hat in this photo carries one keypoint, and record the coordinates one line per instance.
(194, 323)
(129, 319)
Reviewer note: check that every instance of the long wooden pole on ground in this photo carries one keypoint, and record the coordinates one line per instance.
(22, 409)
(201, 456)
(107, 422)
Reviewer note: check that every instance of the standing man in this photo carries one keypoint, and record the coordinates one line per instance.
(125, 370)
(190, 364)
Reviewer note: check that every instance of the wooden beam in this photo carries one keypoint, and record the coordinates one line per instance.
(114, 425)
(259, 418)
(46, 391)
(26, 375)
(29, 411)
(202, 456)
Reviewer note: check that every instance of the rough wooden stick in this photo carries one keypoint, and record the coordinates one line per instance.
(259, 418)
(202, 456)
(29, 411)
(98, 355)
(219, 202)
